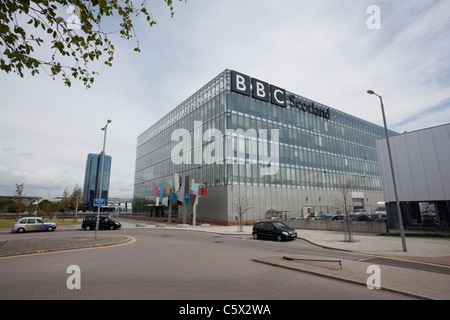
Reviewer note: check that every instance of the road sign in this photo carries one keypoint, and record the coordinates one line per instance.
(99, 202)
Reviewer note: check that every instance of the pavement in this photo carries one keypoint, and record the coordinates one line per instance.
(41, 244)
(414, 283)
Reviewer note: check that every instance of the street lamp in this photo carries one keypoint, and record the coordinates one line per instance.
(101, 178)
(400, 220)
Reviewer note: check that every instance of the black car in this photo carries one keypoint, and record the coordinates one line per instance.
(89, 223)
(273, 230)
(360, 217)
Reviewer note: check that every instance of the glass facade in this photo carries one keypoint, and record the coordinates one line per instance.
(153, 157)
(222, 137)
(91, 179)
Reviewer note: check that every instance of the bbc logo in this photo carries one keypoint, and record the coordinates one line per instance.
(257, 89)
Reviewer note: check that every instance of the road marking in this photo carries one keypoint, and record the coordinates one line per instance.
(130, 240)
(398, 259)
(414, 261)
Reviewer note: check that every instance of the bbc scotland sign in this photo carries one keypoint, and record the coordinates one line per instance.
(257, 89)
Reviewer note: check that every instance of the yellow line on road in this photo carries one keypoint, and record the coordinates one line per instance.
(130, 240)
(399, 259)
(415, 261)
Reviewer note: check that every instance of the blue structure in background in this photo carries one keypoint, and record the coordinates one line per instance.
(91, 179)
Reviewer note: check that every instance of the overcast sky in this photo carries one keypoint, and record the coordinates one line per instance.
(320, 49)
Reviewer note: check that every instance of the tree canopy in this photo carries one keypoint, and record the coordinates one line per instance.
(72, 30)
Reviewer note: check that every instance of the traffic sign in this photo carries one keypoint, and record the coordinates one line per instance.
(99, 202)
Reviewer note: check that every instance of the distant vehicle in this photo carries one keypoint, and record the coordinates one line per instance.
(298, 218)
(274, 230)
(360, 211)
(379, 218)
(90, 223)
(33, 224)
(332, 217)
(360, 217)
(381, 208)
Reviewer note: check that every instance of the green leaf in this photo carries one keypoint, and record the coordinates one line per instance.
(4, 28)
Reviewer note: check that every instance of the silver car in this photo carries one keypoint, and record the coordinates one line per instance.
(33, 224)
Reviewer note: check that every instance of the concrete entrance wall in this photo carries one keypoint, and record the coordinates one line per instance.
(355, 226)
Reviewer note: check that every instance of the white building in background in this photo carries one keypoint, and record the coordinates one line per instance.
(421, 161)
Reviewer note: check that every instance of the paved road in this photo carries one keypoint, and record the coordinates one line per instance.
(173, 264)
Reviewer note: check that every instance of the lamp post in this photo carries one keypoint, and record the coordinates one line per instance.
(101, 177)
(400, 220)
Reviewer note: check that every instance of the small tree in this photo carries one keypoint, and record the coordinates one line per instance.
(3, 205)
(241, 207)
(47, 207)
(77, 197)
(344, 204)
(64, 204)
(18, 196)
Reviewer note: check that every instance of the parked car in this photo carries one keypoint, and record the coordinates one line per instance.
(360, 211)
(332, 217)
(33, 224)
(90, 222)
(360, 217)
(273, 230)
(379, 218)
(298, 218)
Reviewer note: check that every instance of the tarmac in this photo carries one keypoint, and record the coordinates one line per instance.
(411, 282)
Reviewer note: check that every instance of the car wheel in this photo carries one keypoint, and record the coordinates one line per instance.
(87, 228)
(49, 229)
(20, 230)
(279, 238)
(111, 227)
(255, 236)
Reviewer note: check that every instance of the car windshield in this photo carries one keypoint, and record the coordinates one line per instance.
(279, 224)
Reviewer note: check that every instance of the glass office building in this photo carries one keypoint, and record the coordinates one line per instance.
(91, 179)
(245, 138)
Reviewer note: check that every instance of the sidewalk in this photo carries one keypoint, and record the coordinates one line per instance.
(40, 244)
